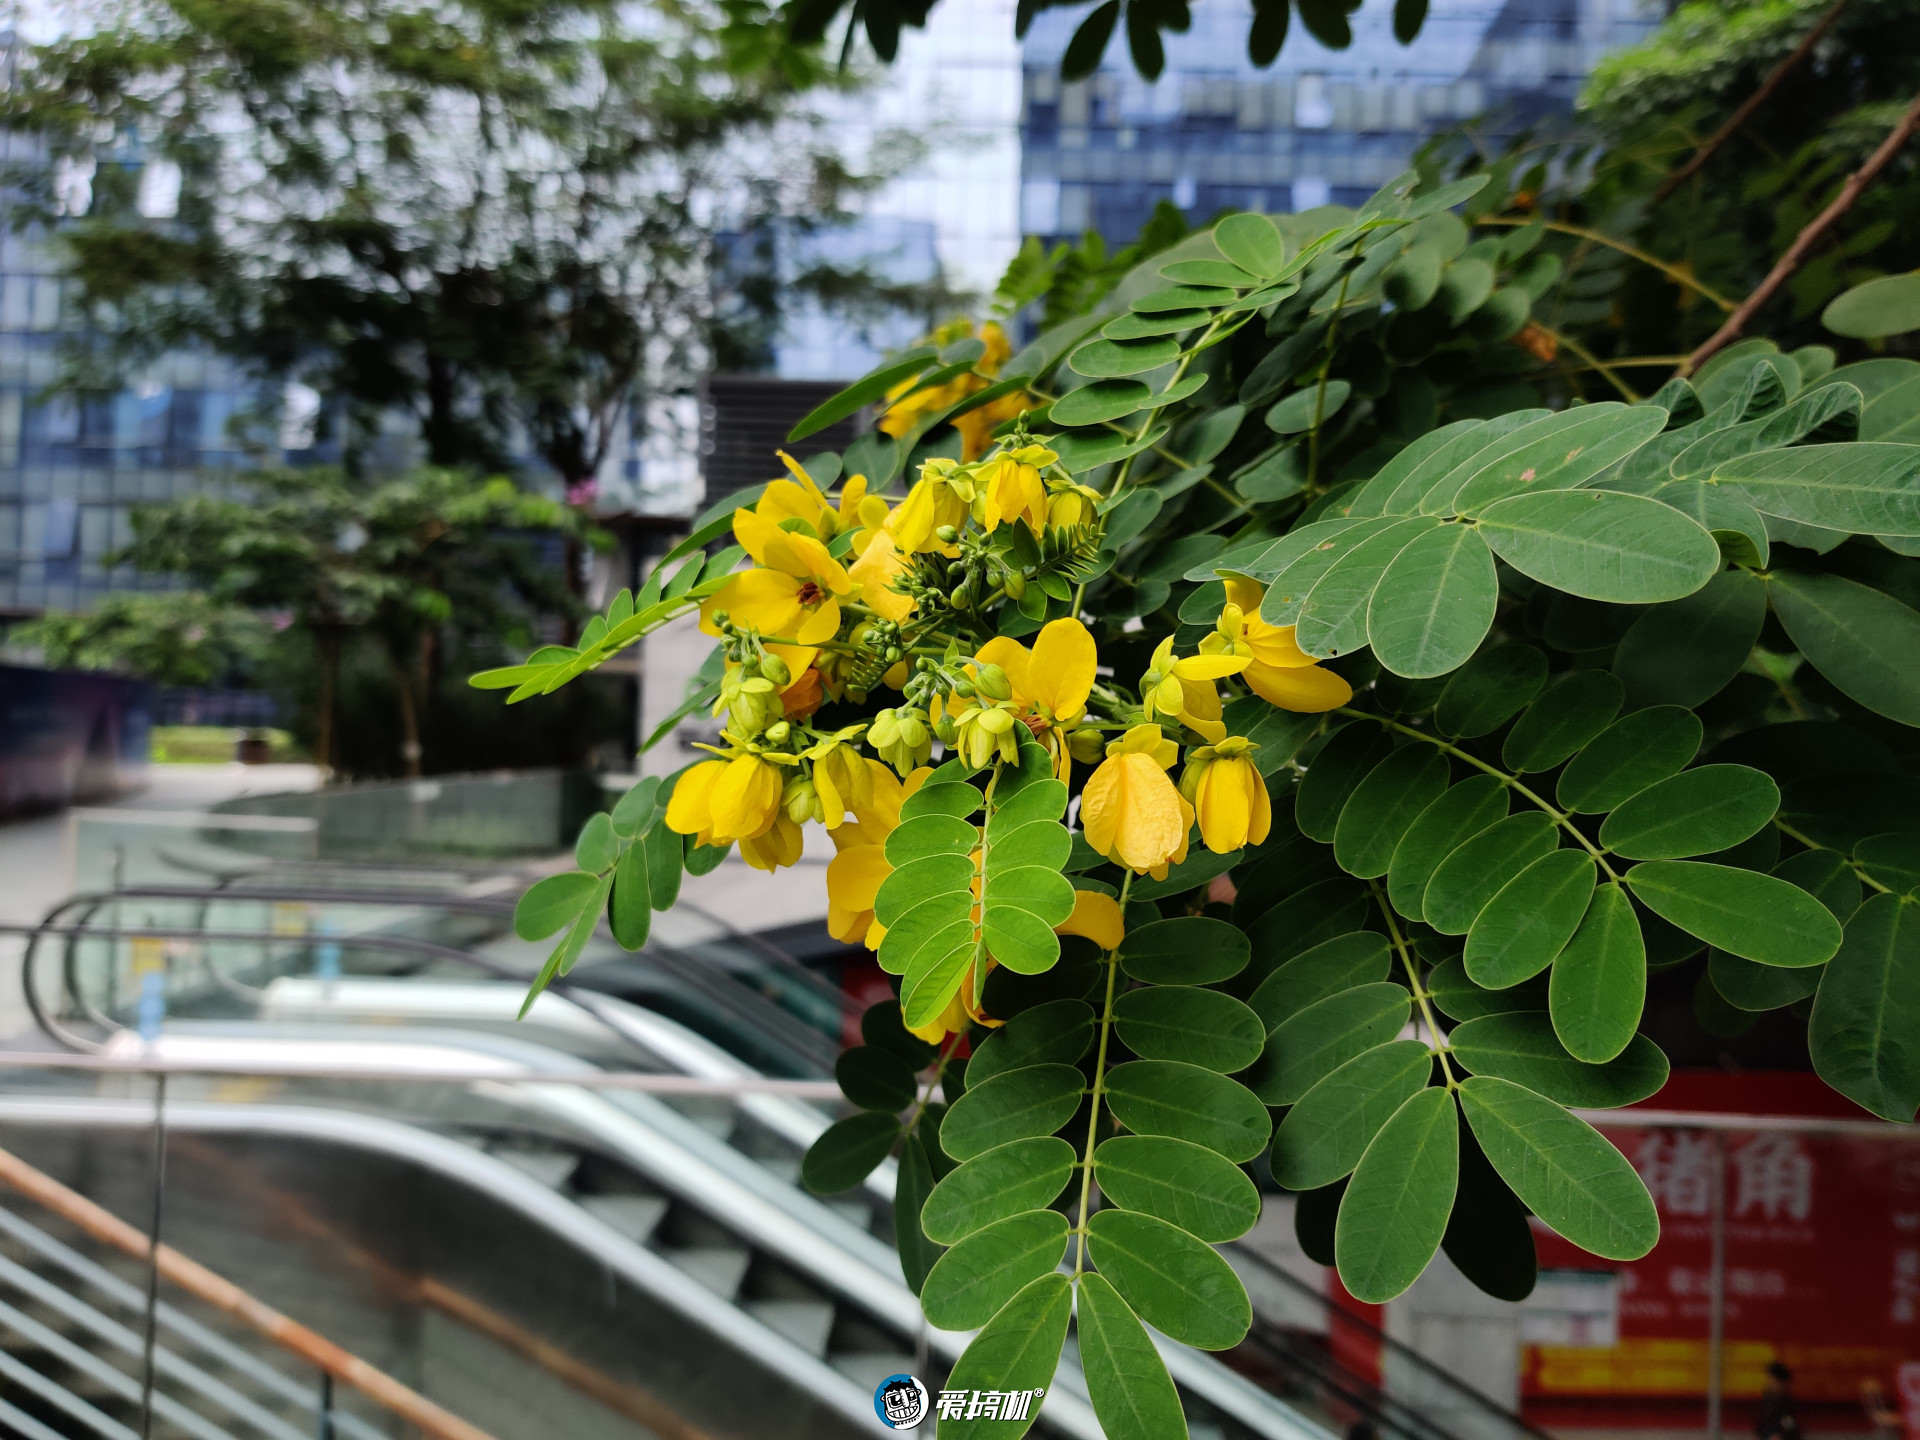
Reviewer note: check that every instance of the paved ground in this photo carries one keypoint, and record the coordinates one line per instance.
(37, 856)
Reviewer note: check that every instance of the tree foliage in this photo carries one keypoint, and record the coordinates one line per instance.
(1488, 699)
(171, 638)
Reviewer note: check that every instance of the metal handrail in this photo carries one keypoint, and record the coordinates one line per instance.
(349, 1369)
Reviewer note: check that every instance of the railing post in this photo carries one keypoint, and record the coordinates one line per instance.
(325, 1430)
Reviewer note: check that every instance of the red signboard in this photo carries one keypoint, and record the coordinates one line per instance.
(1822, 1270)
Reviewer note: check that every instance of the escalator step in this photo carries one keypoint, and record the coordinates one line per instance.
(805, 1322)
(550, 1167)
(635, 1216)
(720, 1269)
(786, 1167)
(867, 1368)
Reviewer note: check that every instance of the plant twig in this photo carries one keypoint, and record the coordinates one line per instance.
(1667, 268)
(1594, 362)
(1804, 242)
(1753, 102)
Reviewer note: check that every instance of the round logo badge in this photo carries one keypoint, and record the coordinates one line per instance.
(901, 1402)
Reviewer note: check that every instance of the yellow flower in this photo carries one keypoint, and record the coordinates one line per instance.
(933, 501)
(799, 499)
(1050, 684)
(986, 731)
(779, 844)
(1228, 795)
(1130, 811)
(1073, 505)
(875, 571)
(720, 801)
(976, 427)
(794, 596)
(1098, 917)
(1187, 689)
(855, 873)
(843, 778)
(1281, 673)
(1011, 489)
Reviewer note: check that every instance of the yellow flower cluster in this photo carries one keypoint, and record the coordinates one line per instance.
(909, 402)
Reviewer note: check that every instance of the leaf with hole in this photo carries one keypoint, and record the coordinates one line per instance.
(1477, 869)
(1173, 1281)
(1309, 1046)
(1189, 1024)
(1013, 1105)
(1322, 1137)
(1530, 919)
(1396, 1206)
(1634, 752)
(1758, 917)
(969, 1284)
(1696, 812)
(1562, 1169)
(1185, 1102)
(1184, 1184)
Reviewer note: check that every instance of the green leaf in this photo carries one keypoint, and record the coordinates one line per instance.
(667, 860)
(702, 859)
(1887, 306)
(1300, 922)
(1748, 985)
(1450, 821)
(1112, 359)
(950, 797)
(1865, 1030)
(1039, 800)
(1343, 762)
(1599, 984)
(1634, 752)
(1488, 1236)
(1860, 639)
(552, 903)
(1292, 565)
(1253, 242)
(1191, 950)
(880, 1026)
(1013, 1105)
(635, 809)
(875, 1079)
(930, 835)
(1332, 620)
(1891, 860)
(1197, 869)
(1489, 689)
(1862, 487)
(1396, 1206)
(1133, 1396)
(1758, 917)
(1020, 939)
(1460, 999)
(1008, 1180)
(1695, 812)
(1059, 1032)
(936, 877)
(1523, 1048)
(862, 392)
(1562, 1169)
(1040, 890)
(1312, 1044)
(1174, 1282)
(1304, 408)
(1530, 919)
(1332, 966)
(1183, 1184)
(1559, 452)
(1602, 545)
(1686, 651)
(1384, 805)
(934, 923)
(630, 911)
(969, 1284)
(1568, 714)
(1182, 297)
(1101, 401)
(1192, 1025)
(1040, 842)
(1434, 603)
(1323, 1136)
(1475, 872)
(847, 1151)
(1132, 326)
(1018, 1350)
(911, 1187)
(1185, 1102)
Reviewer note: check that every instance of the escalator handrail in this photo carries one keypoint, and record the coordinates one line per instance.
(101, 1223)
(1399, 1349)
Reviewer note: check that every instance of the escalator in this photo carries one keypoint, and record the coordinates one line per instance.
(638, 1263)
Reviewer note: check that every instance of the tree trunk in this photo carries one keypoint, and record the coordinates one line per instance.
(328, 639)
(409, 718)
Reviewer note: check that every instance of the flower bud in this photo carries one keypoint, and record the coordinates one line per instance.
(1015, 584)
(1086, 745)
(946, 534)
(778, 731)
(963, 688)
(944, 728)
(992, 682)
(996, 721)
(775, 669)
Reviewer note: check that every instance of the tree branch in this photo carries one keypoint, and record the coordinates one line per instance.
(1753, 102)
(1807, 239)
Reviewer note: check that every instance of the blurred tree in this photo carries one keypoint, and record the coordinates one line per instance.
(494, 216)
(408, 561)
(176, 638)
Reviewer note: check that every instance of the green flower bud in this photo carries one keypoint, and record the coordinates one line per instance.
(778, 731)
(992, 682)
(1016, 584)
(776, 670)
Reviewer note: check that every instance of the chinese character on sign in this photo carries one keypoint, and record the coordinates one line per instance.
(986, 1404)
(1774, 1177)
(953, 1404)
(1678, 1171)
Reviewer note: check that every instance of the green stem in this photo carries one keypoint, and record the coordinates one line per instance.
(1812, 844)
(1593, 362)
(1513, 783)
(1672, 272)
(1320, 395)
(1422, 996)
(1099, 1090)
(939, 1074)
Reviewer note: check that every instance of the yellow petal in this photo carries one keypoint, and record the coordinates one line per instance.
(780, 844)
(822, 624)
(1012, 657)
(1274, 645)
(755, 533)
(1064, 660)
(1307, 689)
(874, 571)
(1262, 811)
(761, 599)
(746, 799)
(1247, 594)
(801, 478)
(854, 876)
(1209, 667)
(689, 812)
(1096, 916)
(1132, 813)
(785, 500)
